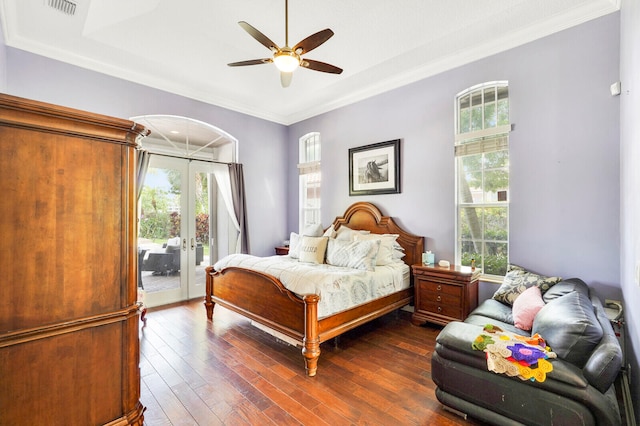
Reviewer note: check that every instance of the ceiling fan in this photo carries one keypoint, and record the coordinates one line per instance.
(285, 58)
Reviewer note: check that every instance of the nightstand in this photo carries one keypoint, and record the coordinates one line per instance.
(442, 294)
(282, 250)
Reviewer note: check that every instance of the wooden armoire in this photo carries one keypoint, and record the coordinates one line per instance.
(69, 348)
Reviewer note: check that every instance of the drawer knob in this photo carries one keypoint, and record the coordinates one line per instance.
(439, 309)
(439, 298)
(439, 287)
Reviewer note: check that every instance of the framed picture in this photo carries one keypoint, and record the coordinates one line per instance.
(375, 169)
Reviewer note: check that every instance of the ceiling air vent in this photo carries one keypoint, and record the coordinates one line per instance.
(64, 6)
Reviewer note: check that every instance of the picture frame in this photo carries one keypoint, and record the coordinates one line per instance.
(375, 169)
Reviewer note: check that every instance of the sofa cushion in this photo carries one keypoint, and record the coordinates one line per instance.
(570, 327)
(492, 309)
(526, 306)
(518, 280)
(495, 313)
(565, 287)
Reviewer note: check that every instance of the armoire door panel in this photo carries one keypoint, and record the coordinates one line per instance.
(69, 344)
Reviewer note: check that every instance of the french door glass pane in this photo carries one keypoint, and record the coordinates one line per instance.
(160, 230)
(202, 240)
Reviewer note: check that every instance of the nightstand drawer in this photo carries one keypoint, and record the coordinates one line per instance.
(444, 299)
(439, 288)
(452, 311)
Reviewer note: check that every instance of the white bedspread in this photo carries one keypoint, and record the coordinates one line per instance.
(339, 288)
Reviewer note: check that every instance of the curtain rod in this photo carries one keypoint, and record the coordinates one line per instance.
(191, 159)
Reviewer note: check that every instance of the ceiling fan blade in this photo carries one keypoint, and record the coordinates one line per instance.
(313, 41)
(251, 62)
(263, 39)
(285, 78)
(320, 66)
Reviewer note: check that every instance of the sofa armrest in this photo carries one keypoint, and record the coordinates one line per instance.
(604, 364)
(454, 343)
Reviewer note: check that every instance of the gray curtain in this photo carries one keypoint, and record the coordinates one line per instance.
(141, 170)
(239, 204)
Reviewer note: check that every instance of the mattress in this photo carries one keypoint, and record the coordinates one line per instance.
(339, 288)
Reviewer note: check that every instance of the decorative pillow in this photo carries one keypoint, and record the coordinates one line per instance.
(570, 327)
(294, 245)
(387, 241)
(330, 232)
(526, 306)
(312, 249)
(353, 254)
(518, 280)
(398, 251)
(313, 230)
(346, 233)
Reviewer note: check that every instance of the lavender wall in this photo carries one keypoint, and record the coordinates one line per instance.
(565, 163)
(262, 144)
(630, 182)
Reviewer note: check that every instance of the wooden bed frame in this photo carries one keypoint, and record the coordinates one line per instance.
(264, 299)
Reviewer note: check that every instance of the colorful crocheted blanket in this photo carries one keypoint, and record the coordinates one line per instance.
(514, 355)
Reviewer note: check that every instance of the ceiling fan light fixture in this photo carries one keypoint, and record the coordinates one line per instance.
(286, 61)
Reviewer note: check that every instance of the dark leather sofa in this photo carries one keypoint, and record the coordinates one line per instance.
(579, 391)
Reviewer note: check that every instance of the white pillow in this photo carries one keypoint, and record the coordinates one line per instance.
(398, 251)
(353, 254)
(313, 230)
(330, 232)
(387, 241)
(312, 249)
(346, 233)
(294, 245)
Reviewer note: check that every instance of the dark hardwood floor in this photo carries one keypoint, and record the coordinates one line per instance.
(196, 372)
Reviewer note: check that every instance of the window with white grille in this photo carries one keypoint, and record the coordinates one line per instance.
(482, 177)
(310, 179)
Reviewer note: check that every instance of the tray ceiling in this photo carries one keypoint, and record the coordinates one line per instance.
(183, 47)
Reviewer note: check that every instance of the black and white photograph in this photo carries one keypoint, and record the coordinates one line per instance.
(375, 168)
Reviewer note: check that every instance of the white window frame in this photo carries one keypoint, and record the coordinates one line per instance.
(492, 137)
(310, 180)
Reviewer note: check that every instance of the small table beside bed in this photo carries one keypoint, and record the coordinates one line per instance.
(312, 302)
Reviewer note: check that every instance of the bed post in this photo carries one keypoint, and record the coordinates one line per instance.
(311, 341)
(208, 302)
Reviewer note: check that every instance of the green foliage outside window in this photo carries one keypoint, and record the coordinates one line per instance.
(159, 219)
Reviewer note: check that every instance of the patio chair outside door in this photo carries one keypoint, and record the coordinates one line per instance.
(175, 224)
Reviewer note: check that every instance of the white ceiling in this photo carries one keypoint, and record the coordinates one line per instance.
(183, 46)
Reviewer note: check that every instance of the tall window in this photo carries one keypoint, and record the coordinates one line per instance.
(482, 171)
(310, 179)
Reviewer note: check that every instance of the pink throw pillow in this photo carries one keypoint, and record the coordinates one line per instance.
(526, 306)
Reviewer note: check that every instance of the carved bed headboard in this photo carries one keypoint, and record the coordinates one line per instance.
(366, 216)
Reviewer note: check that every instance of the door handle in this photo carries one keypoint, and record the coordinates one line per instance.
(193, 243)
(184, 244)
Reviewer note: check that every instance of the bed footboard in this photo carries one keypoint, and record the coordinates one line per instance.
(262, 298)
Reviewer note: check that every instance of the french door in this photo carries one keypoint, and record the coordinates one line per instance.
(174, 238)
